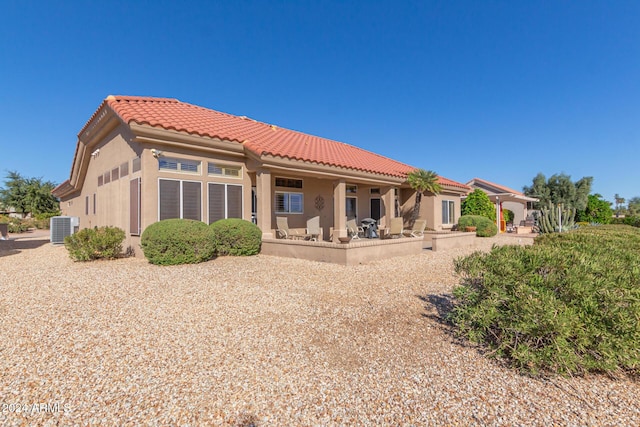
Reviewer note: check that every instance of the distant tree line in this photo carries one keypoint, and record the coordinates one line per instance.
(28, 195)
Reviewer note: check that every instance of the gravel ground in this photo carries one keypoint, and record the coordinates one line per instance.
(261, 341)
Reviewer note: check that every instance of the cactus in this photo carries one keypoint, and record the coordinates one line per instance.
(548, 220)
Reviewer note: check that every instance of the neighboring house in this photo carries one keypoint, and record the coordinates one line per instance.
(508, 198)
(139, 160)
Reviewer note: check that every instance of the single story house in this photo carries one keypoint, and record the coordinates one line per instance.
(139, 160)
(506, 198)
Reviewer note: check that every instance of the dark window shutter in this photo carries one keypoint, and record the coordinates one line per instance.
(234, 201)
(191, 200)
(169, 199)
(134, 207)
(94, 203)
(86, 205)
(216, 202)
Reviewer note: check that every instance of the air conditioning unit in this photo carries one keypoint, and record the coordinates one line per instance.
(63, 226)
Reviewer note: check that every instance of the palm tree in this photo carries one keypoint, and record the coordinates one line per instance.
(619, 201)
(422, 180)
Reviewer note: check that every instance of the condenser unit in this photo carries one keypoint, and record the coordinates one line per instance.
(63, 226)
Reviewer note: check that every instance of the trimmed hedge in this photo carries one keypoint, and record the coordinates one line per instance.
(177, 241)
(568, 304)
(234, 236)
(484, 226)
(95, 243)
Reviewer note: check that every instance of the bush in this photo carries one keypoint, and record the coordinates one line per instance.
(235, 236)
(177, 241)
(568, 304)
(484, 226)
(633, 221)
(478, 203)
(95, 243)
(508, 215)
(15, 225)
(42, 221)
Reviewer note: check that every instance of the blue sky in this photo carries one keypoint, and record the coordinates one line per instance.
(499, 90)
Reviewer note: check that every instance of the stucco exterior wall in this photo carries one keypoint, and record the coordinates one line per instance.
(519, 211)
(430, 208)
(152, 174)
(111, 198)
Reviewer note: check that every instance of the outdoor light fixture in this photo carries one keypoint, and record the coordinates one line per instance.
(156, 153)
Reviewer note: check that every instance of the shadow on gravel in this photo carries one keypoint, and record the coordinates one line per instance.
(15, 246)
(442, 303)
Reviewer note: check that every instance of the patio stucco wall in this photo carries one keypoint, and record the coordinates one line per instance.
(445, 241)
(357, 252)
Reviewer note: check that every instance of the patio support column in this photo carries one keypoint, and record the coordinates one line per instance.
(388, 200)
(263, 196)
(339, 210)
(498, 213)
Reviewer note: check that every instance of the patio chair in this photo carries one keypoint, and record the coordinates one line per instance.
(284, 232)
(417, 230)
(313, 228)
(395, 228)
(353, 229)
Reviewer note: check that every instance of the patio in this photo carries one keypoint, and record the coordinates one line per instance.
(357, 251)
(363, 250)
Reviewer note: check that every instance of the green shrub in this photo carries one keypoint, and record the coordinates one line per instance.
(508, 215)
(42, 221)
(478, 203)
(568, 304)
(235, 236)
(95, 243)
(634, 221)
(484, 226)
(16, 225)
(177, 241)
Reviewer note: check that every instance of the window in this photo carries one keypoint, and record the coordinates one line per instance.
(351, 188)
(225, 201)
(134, 207)
(288, 182)
(230, 171)
(448, 212)
(179, 199)
(107, 177)
(115, 174)
(100, 180)
(352, 208)
(124, 169)
(135, 165)
(396, 202)
(179, 165)
(289, 202)
(374, 190)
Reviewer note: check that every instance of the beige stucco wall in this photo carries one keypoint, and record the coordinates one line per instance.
(519, 211)
(112, 199)
(152, 175)
(430, 207)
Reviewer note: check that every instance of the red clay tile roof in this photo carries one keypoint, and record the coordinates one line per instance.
(498, 186)
(257, 137)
